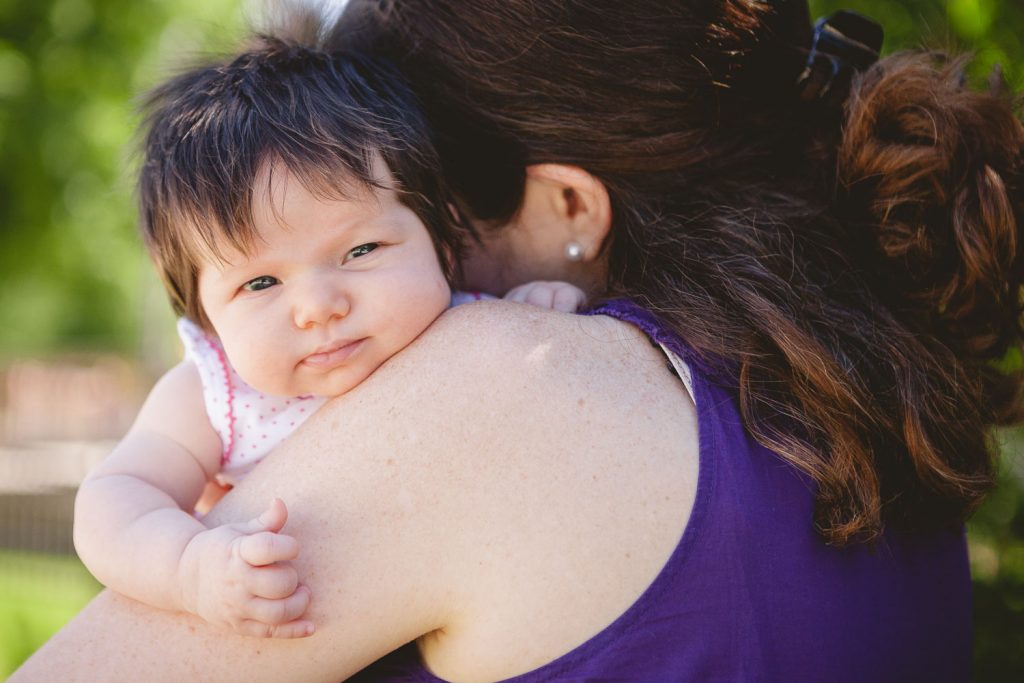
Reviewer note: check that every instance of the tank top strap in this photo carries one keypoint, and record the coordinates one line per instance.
(690, 365)
(682, 370)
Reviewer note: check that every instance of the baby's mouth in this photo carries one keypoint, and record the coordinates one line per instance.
(333, 354)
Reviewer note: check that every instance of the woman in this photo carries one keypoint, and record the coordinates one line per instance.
(838, 268)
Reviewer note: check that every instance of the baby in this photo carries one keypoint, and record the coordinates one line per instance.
(293, 203)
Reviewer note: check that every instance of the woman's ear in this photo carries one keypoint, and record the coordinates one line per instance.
(579, 202)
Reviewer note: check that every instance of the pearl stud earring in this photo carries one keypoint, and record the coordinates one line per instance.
(574, 251)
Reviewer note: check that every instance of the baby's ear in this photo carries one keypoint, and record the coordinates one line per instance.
(450, 265)
(449, 261)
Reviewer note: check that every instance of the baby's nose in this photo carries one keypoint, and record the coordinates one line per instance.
(320, 302)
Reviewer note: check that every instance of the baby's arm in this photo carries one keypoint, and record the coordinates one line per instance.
(135, 533)
(558, 296)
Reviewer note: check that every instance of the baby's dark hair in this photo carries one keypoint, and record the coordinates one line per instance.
(326, 117)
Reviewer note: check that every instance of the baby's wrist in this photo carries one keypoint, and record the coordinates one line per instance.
(185, 592)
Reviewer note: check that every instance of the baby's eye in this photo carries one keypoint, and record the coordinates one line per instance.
(361, 250)
(261, 282)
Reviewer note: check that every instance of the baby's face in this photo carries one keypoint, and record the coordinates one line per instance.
(330, 291)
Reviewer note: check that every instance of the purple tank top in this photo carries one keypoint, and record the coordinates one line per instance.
(751, 593)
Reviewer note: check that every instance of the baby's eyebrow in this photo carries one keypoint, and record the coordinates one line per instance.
(246, 262)
(226, 253)
(225, 268)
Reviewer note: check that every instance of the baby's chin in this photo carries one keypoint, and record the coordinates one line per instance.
(290, 389)
(332, 384)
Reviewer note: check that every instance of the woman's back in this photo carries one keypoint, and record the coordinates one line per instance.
(752, 593)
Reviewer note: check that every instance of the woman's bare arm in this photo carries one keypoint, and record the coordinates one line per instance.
(411, 495)
(353, 477)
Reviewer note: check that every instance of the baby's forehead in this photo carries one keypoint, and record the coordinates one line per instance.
(277, 192)
(217, 247)
(277, 184)
(286, 199)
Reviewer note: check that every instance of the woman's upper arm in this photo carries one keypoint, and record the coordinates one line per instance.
(376, 486)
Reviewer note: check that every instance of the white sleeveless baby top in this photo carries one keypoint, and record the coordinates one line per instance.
(250, 423)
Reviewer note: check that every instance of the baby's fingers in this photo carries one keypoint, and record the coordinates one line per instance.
(278, 613)
(568, 299)
(273, 582)
(272, 519)
(293, 629)
(542, 295)
(518, 294)
(267, 548)
(535, 293)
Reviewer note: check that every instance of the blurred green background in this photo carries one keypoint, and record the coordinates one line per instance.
(72, 271)
(76, 286)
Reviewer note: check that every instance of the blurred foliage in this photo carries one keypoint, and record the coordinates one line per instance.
(38, 594)
(993, 31)
(71, 268)
(996, 536)
(73, 274)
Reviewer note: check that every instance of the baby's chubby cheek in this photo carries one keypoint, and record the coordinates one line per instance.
(261, 366)
(440, 301)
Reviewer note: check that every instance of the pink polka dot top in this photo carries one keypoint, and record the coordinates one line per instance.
(250, 423)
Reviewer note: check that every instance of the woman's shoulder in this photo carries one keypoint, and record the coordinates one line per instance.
(504, 337)
(533, 429)
(572, 378)
(504, 323)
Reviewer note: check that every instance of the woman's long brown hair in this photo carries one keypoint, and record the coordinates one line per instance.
(858, 267)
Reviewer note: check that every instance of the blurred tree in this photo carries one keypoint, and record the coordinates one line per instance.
(992, 30)
(71, 268)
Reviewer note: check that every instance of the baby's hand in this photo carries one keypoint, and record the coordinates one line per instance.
(236, 575)
(558, 296)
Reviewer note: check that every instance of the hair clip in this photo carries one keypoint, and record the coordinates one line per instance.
(843, 43)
